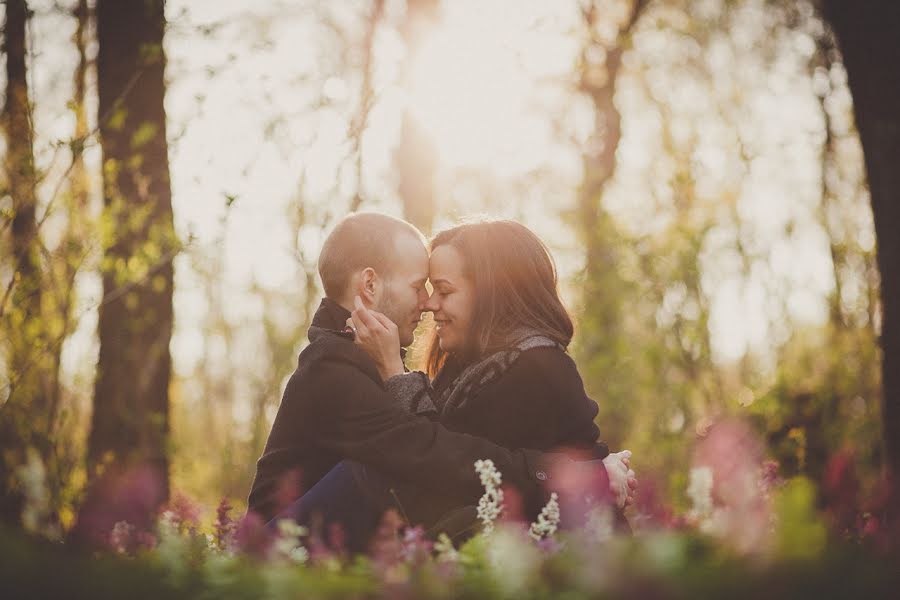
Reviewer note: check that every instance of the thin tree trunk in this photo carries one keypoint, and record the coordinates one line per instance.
(367, 100)
(130, 422)
(869, 38)
(416, 156)
(602, 323)
(71, 251)
(24, 417)
(823, 59)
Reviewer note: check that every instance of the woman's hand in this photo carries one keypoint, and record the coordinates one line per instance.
(378, 336)
(622, 481)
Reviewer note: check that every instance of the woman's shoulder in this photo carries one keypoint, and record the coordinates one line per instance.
(544, 354)
(545, 365)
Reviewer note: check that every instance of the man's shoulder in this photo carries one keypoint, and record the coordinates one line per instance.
(332, 353)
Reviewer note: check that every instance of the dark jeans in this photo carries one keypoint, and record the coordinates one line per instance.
(355, 497)
(352, 496)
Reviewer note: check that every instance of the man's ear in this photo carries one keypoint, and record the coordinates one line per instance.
(370, 287)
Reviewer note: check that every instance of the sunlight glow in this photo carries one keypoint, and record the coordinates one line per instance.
(471, 84)
(466, 91)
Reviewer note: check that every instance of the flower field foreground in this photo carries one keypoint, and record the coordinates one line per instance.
(505, 564)
(748, 534)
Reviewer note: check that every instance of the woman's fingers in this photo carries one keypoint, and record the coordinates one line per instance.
(359, 326)
(383, 320)
(364, 314)
(373, 320)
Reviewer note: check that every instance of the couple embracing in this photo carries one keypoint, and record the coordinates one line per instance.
(356, 434)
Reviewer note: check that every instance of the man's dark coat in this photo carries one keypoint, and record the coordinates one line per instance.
(335, 407)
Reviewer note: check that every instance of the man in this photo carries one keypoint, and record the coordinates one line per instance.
(335, 406)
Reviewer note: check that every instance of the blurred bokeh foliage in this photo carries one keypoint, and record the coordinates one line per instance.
(699, 180)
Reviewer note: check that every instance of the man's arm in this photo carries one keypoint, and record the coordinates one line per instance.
(361, 421)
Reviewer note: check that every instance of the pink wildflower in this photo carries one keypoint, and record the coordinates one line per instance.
(841, 491)
(185, 512)
(252, 537)
(224, 527)
(416, 548)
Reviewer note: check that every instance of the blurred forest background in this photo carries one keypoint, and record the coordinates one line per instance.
(694, 166)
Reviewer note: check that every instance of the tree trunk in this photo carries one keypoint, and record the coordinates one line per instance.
(416, 156)
(130, 422)
(71, 253)
(869, 38)
(24, 416)
(367, 100)
(600, 341)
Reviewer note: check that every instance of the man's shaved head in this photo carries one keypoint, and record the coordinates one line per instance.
(358, 241)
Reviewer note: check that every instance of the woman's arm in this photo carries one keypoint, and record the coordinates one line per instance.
(414, 393)
(541, 403)
(378, 336)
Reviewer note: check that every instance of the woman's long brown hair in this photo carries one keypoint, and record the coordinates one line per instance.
(515, 285)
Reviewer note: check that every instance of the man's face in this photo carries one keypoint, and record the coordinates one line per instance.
(404, 294)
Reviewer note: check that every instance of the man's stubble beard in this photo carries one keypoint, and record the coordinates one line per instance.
(389, 309)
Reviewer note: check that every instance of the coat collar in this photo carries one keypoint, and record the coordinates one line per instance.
(331, 318)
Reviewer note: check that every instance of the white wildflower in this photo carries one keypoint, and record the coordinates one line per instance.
(514, 563)
(699, 490)
(287, 545)
(173, 547)
(445, 550)
(548, 521)
(599, 525)
(120, 537)
(491, 503)
(36, 512)
(167, 525)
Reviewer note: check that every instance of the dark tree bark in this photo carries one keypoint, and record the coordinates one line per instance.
(24, 417)
(416, 156)
(130, 422)
(869, 38)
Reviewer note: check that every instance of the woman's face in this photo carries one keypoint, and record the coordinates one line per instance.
(452, 299)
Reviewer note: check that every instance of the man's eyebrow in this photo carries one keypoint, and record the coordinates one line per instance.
(437, 281)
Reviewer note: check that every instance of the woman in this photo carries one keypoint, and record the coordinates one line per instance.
(497, 365)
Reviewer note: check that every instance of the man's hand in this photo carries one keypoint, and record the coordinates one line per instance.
(622, 481)
(378, 336)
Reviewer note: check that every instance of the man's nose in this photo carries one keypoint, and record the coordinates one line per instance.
(431, 304)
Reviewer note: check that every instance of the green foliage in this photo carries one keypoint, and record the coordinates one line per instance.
(643, 342)
(503, 565)
(801, 535)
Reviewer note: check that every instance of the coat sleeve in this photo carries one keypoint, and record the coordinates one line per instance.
(414, 393)
(361, 421)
